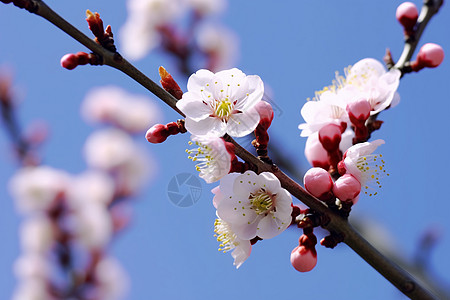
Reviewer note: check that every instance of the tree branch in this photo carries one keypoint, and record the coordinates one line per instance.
(396, 275)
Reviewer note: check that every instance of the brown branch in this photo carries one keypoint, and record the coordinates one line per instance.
(397, 276)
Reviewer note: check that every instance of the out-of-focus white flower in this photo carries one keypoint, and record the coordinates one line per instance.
(36, 188)
(221, 103)
(366, 167)
(91, 187)
(36, 234)
(112, 281)
(135, 172)
(140, 33)
(212, 157)
(229, 241)
(32, 265)
(94, 227)
(207, 7)
(220, 44)
(114, 151)
(108, 149)
(133, 113)
(254, 205)
(32, 289)
(137, 38)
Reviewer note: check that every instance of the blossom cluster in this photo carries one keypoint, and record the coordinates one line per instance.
(70, 220)
(249, 206)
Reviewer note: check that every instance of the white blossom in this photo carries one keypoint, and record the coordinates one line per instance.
(254, 205)
(93, 226)
(220, 44)
(92, 186)
(368, 79)
(207, 7)
(230, 241)
(140, 33)
(221, 103)
(133, 113)
(112, 281)
(35, 189)
(32, 289)
(212, 157)
(37, 234)
(366, 167)
(108, 149)
(32, 265)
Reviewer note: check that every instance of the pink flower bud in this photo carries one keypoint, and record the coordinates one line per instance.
(157, 134)
(69, 61)
(341, 166)
(346, 188)
(318, 183)
(430, 55)
(407, 15)
(302, 259)
(316, 155)
(330, 137)
(359, 112)
(265, 112)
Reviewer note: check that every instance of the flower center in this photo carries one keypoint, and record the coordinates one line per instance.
(223, 109)
(225, 236)
(372, 169)
(261, 202)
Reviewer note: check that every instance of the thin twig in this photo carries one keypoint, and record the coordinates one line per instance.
(397, 276)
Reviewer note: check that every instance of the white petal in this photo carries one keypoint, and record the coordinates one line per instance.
(210, 125)
(199, 80)
(269, 227)
(269, 182)
(245, 184)
(241, 124)
(193, 106)
(236, 210)
(255, 93)
(241, 253)
(246, 231)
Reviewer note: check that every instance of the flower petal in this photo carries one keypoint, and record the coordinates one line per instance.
(193, 106)
(270, 226)
(241, 253)
(210, 125)
(269, 182)
(245, 184)
(199, 80)
(242, 124)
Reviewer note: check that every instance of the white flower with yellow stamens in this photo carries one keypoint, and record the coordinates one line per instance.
(366, 167)
(254, 205)
(221, 103)
(212, 157)
(229, 241)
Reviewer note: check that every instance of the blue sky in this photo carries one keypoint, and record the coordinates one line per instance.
(295, 47)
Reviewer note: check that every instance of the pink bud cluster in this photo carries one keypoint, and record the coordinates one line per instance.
(319, 183)
(430, 55)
